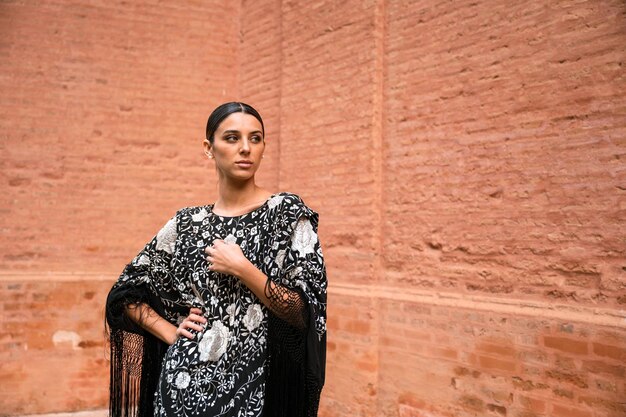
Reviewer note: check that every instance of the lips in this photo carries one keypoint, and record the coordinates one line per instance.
(244, 163)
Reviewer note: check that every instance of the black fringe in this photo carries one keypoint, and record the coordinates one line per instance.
(126, 348)
(136, 356)
(295, 377)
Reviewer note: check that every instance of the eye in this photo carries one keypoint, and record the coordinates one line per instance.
(231, 138)
(256, 139)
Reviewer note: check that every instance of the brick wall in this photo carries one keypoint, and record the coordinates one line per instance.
(104, 106)
(466, 159)
(103, 112)
(467, 162)
(53, 356)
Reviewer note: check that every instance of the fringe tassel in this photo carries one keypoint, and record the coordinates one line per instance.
(294, 380)
(126, 353)
(284, 386)
(136, 355)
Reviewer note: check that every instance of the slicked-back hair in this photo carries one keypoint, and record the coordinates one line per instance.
(225, 110)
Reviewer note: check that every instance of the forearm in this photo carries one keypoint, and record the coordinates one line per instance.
(152, 322)
(286, 304)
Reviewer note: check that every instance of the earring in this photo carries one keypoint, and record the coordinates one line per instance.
(210, 156)
(262, 155)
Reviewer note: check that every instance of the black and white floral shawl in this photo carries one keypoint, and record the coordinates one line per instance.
(249, 360)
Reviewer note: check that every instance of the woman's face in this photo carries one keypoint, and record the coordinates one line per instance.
(238, 146)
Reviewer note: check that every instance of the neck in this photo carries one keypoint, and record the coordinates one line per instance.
(234, 195)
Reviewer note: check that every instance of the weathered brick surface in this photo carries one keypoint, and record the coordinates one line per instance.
(502, 364)
(504, 149)
(103, 111)
(328, 92)
(260, 77)
(352, 371)
(53, 355)
(467, 160)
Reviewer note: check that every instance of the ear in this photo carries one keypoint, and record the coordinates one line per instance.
(207, 147)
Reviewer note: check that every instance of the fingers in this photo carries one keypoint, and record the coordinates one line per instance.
(182, 332)
(219, 242)
(209, 258)
(194, 317)
(194, 321)
(209, 251)
(222, 256)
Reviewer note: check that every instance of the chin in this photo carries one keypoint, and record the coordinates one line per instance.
(242, 176)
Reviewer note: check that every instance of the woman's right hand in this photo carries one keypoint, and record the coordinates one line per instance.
(194, 321)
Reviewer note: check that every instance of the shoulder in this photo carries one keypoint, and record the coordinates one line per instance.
(286, 201)
(193, 213)
(292, 207)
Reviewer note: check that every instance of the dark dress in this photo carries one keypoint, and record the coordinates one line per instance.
(249, 360)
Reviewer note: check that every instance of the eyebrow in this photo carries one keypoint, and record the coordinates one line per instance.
(237, 131)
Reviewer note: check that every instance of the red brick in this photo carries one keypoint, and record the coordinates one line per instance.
(604, 368)
(612, 405)
(472, 403)
(614, 352)
(498, 364)
(568, 411)
(358, 327)
(443, 352)
(567, 345)
(502, 349)
(533, 404)
(497, 409)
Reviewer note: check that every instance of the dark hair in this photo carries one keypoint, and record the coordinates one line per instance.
(225, 110)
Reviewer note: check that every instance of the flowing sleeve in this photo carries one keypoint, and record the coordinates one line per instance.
(144, 280)
(136, 354)
(296, 289)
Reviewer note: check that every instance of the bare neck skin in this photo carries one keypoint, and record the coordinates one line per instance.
(238, 197)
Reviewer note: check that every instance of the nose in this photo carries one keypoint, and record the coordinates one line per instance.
(245, 146)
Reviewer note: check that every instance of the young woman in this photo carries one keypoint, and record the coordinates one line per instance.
(223, 312)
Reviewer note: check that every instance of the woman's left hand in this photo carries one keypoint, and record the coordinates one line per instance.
(225, 258)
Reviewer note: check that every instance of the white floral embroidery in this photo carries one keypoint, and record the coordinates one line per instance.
(253, 317)
(182, 380)
(199, 216)
(143, 260)
(304, 237)
(291, 274)
(214, 342)
(275, 201)
(166, 238)
(280, 257)
(232, 310)
(267, 238)
(302, 285)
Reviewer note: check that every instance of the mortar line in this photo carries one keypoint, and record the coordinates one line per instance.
(498, 305)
